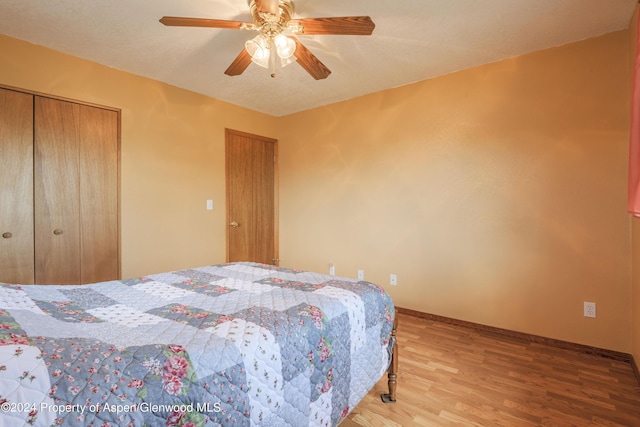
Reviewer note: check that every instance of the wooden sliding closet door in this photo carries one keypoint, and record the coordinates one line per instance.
(16, 187)
(57, 191)
(76, 193)
(99, 195)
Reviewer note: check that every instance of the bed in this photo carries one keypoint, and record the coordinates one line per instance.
(239, 344)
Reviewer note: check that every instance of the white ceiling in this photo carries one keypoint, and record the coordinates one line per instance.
(413, 40)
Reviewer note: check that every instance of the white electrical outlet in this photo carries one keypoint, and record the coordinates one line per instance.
(393, 279)
(360, 274)
(332, 270)
(589, 309)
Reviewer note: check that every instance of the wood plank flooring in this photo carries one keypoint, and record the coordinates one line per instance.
(451, 375)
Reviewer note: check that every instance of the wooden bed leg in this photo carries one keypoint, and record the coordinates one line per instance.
(392, 373)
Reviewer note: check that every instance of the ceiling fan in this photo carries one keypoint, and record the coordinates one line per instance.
(275, 44)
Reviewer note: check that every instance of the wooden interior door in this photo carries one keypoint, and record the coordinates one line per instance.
(57, 191)
(251, 198)
(16, 187)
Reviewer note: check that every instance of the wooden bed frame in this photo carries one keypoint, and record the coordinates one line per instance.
(392, 373)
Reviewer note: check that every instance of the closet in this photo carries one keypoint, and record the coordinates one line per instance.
(59, 181)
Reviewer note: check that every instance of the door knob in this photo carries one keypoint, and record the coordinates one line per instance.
(233, 224)
(57, 232)
(7, 235)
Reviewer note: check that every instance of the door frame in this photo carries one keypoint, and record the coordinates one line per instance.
(276, 188)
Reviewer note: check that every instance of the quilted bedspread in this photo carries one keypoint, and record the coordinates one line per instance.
(239, 344)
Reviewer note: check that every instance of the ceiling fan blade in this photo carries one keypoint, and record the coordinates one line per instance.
(346, 25)
(239, 64)
(268, 6)
(310, 62)
(176, 21)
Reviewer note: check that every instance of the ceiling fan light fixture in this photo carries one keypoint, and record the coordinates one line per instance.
(284, 46)
(258, 49)
(286, 61)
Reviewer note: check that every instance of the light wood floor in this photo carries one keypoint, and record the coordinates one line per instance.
(454, 376)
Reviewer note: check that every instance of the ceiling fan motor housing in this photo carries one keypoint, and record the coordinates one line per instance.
(271, 23)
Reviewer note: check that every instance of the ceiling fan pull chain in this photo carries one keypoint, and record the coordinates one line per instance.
(272, 57)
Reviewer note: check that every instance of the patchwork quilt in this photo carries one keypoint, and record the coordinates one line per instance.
(239, 344)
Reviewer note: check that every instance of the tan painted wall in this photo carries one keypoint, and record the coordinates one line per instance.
(497, 194)
(635, 248)
(172, 153)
